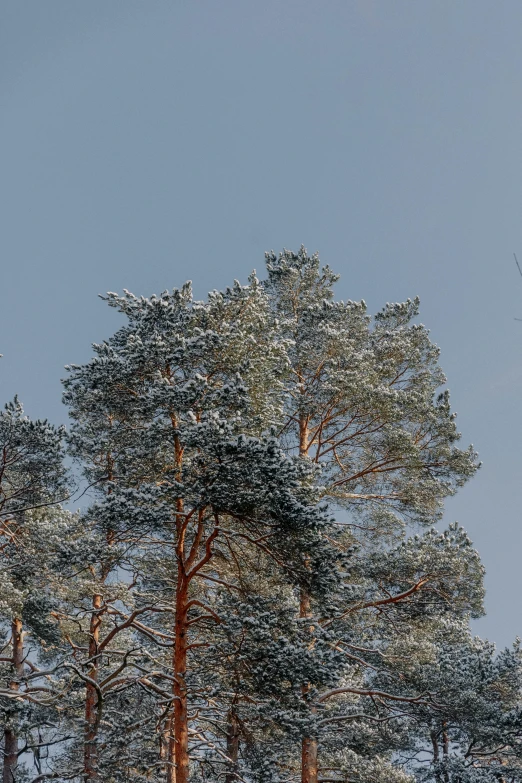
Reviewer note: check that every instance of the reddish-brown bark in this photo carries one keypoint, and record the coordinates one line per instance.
(178, 771)
(189, 564)
(309, 760)
(309, 748)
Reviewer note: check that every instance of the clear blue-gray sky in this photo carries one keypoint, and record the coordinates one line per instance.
(148, 142)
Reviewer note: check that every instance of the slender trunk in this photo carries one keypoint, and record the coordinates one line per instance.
(92, 700)
(303, 436)
(304, 432)
(445, 749)
(309, 746)
(93, 692)
(435, 744)
(309, 760)
(178, 768)
(164, 742)
(168, 751)
(93, 703)
(232, 746)
(10, 734)
(188, 565)
(177, 755)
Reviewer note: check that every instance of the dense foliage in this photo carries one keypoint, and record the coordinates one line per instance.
(256, 589)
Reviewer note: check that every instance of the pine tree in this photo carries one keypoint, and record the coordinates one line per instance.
(166, 417)
(246, 598)
(32, 477)
(362, 404)
(475, 733)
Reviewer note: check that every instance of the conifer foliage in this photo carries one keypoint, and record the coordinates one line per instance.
(255, 589)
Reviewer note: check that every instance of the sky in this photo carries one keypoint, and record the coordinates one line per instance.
(144, 143)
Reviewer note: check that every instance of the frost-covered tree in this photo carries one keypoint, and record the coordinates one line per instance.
(402, 601)
(171, 419)
(363, 399)
(475, 734)
(35, 698)
(32, 477)
(244, 596)
(362, 402)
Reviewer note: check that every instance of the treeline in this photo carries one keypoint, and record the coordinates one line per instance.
(255, 590)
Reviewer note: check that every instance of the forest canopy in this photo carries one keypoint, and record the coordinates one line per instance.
(255, 587)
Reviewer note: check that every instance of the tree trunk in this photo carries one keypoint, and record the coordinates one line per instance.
(232, 746)
(10, 734)
(309, 761)
(168, 754)
(165, 751)
(92, 700)
(93, 703)
(435, 744)
(178, 768)
(177, 754)
(309, 748)
(445, 749)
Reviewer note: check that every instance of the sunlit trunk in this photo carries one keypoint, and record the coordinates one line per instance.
(178, 756)
(178, 752)
(309, 761)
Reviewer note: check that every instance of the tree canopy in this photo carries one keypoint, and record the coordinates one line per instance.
(256, 589)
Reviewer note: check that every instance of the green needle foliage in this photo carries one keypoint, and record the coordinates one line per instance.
(255, 589)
